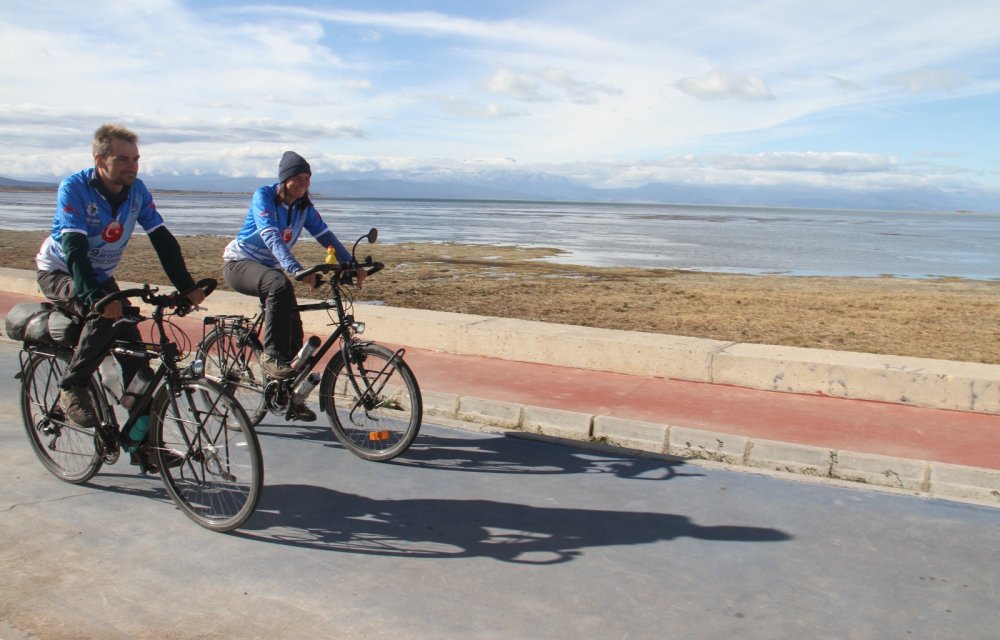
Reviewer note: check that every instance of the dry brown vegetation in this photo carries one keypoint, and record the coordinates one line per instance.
(946, 318)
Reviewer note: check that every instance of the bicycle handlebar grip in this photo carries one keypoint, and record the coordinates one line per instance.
(346, 271)
(207, 285)
(181, 303)
(118, 295)
(347, 277)
(305, 272)
(319, 268)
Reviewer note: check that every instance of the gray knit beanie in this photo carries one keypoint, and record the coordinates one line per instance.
(291, 165)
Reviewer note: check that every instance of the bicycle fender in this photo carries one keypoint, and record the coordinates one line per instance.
(336, 362)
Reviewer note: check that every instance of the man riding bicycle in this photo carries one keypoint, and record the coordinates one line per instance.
(96, 213)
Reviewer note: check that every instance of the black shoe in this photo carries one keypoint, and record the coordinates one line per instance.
(276, 367)
(302, 413)
(78, 407)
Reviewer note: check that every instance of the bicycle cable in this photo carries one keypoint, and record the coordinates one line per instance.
(179, 337)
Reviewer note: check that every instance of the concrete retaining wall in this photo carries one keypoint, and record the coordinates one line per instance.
(921, 382)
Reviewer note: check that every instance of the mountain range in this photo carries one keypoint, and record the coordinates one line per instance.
(511, 185)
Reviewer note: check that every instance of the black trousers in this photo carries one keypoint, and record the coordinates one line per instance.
(98, 334)
(282, 322)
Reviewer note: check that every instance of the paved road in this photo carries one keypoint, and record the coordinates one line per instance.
(478, 535)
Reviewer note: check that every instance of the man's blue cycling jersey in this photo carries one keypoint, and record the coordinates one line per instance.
(271, 229)
(81, 208)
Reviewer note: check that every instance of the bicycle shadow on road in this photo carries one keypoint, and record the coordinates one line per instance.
(513, 452)
(324, 519)
(521, 454)
(310, 432)
(132, 483)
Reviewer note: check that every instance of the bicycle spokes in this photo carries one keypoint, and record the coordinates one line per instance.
(67, 450)
(371, 396)
(209, 455)
(373, 403)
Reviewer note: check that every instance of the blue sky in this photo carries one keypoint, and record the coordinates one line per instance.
(842, 93)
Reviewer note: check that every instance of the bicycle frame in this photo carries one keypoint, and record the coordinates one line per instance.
(345, 321)
(250, 329)
(167, 372)
(369, 394)
(199, 438)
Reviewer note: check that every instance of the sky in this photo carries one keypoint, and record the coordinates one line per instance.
(834, 93)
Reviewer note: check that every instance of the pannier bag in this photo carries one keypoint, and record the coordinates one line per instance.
(42, 322)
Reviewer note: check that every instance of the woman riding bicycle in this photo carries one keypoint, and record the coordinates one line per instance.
(257, 260)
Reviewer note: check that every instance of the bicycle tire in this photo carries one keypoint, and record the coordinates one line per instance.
(236, 368)
(68, 451)
(386, 424)
(208, 454)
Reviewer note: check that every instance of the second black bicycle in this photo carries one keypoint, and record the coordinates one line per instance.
(367, 391)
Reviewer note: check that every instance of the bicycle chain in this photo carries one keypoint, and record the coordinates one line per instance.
(106, 444)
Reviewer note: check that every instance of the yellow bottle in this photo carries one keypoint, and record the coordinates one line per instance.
(331, 256)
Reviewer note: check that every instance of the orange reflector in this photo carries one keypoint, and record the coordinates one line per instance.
(378, 436)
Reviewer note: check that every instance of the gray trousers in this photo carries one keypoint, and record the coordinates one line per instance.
(282, 322)
(98, 334)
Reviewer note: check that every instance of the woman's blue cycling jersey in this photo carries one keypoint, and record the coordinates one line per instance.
(271, 229)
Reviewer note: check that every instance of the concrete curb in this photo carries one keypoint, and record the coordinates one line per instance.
(932, 479)
(938, 384)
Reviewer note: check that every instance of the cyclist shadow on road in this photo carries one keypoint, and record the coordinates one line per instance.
(524, 453)
(515, 453)
(324, 519)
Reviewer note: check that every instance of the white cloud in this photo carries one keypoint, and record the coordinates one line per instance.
(928, 80)
(517, 86)
(548, 85)
(32, 125)
(549, 82)
(436, 24)
(470, 109)
(720, 84)
(834, 162)
(356, 85)
(736, 168)
(580, 91)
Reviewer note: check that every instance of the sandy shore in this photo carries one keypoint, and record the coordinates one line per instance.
(946, 319)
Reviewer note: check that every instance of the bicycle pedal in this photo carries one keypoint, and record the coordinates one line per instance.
(107, 444)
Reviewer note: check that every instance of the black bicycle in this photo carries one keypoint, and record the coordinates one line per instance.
(198, 438)
(368, 392)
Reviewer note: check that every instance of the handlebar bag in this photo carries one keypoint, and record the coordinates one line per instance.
(42, 322)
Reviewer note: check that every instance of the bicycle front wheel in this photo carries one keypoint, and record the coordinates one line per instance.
(207, 453)
(232, 358)
(374, 406)
(67, 450)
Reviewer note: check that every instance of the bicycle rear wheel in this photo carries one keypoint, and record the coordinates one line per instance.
(232, 358)
(67, 450)
(376, 412)
(207, 453)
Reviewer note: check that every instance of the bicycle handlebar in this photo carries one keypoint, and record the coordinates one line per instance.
(149, 295)
(345, 271)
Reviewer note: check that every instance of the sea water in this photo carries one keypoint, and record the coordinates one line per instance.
(752, 240)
